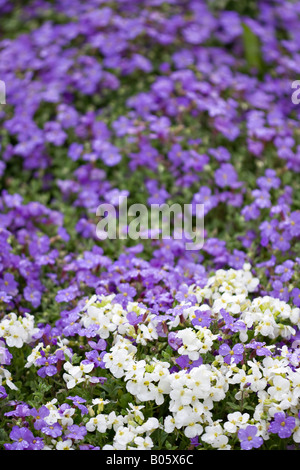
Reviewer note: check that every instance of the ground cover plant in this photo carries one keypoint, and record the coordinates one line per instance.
(142, 344)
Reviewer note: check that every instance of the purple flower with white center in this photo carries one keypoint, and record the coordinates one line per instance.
(234, 355)
(249, 439)
(282, 425)
(47, 369)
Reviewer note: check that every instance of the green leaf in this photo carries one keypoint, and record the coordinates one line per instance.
(252, 48)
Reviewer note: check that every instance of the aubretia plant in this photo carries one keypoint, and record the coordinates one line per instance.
(142, 344)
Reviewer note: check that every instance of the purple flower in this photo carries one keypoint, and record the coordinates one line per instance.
(23, 438)
(3, 393)
(232, 355)
(182, 295)
(8, 284)
(4, 297)
(99, 346)
(270, 180)
(96, 358)
(285, 269)
(65, 295)
(249, 439)
(133, 318)
(185, 363)
(5, 355)
(282, 425)
(232, 324)
(47, 369)
(279, 291)
(202, 318)
(32, 295)
(259, 348)
(294, 223)
(21, 411)
(262, 198)
(78, 402)
(226, 175)
(39, 416)
(174, 341)
(37, 443)
(53, 430)
(295, 294)
(76, 432)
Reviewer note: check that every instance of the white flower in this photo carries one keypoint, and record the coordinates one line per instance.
(5, 376)
(169, 424)
(213, 435)
(123, 436)
(35, 354)
(65, 445)
(235, 421)
(280, 387)
(98, 423)
(66, 416)
(143, 443)
(18, 330)
(193, 428)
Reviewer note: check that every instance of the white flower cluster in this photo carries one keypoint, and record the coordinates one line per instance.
(112, 317)
(17, 330)
(270, 317)
(6, 378)
(132, 431)
(192, 395)
(194, 342)
(237, 283)
(145, 381)
(76, 374)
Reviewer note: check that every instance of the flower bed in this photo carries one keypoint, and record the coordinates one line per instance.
(142, 344)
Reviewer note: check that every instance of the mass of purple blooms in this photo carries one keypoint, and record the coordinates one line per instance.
(122, 344)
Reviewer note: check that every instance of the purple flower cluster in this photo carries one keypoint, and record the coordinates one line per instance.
(157, 102)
